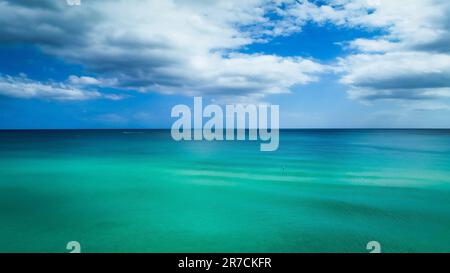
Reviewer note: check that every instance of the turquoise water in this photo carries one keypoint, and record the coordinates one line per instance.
(140, 191)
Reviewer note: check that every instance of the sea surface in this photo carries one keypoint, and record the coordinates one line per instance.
(141, 191)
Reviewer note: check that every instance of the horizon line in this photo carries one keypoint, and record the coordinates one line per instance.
(290, 128)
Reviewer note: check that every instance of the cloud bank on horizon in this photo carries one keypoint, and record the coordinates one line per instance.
(196, 47)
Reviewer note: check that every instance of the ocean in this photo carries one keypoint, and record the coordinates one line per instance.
(141, 191)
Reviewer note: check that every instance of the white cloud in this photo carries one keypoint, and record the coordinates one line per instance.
(23, 87)
(91, 81)
(186, 47)
(410, 62)
(374, 45)
(397, 75)
(191, 46)
(83, 80)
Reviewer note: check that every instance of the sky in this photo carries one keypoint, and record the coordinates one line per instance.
(125, 64)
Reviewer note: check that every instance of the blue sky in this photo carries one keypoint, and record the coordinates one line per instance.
(125, 64)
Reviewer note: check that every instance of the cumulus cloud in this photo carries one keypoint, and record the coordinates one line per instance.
(187, 47)
(192, 47)
(83, 80)
(87, 80)
(397, 75)
(409, 61)
(23, 87)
